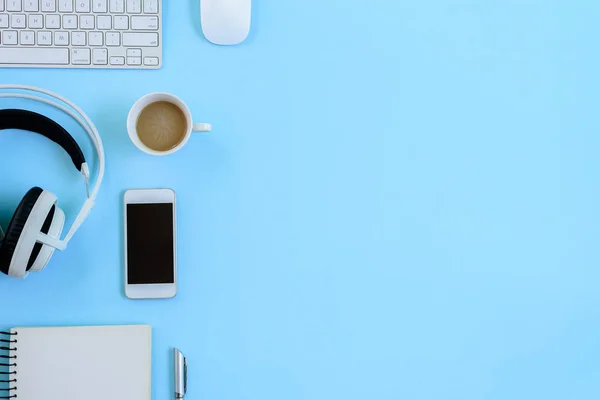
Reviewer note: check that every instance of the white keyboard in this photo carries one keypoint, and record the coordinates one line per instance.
(81, 33)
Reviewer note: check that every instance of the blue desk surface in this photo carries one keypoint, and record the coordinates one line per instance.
(399, 200)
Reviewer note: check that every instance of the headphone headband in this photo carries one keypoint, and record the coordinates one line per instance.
(82, 119)
(38, 123)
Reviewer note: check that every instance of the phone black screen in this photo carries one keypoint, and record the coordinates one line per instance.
(150, 243)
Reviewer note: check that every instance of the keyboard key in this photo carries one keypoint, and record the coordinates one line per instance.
(30, 5)
(144, 23)
(61, 38)
(34, 55)
(116, 60)
(121, 22)
(1, 5)
(65, 5)
(133, 6)
(44, 38)
(99, 6)
(78, 38)
(82, 6)
(152, 61)
(113, 39)
(140, 39)
(100, 56)
(70, 21)
(49, 5)
(9, 37)
(27, 38)
(53, 21)
(151, 6)
(13, 5)
(3, 20)
(80, 56)
(134, 60)
(35, 21)
(115, 6)
(104, 22)
(134, 52)
(17, 21)
(86, 21)
(95, 38)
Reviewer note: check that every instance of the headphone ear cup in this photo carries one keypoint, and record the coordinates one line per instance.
(15, 227)
(19, 244)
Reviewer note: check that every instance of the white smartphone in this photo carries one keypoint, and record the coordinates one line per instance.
(150, 244)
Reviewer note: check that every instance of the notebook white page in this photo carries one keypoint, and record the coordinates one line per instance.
(88, 362)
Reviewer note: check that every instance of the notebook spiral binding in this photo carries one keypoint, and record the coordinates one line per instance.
(8, 379)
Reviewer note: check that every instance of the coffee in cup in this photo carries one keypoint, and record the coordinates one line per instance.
(161, 126)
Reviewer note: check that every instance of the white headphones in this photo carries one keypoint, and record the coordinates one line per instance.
(36, 226)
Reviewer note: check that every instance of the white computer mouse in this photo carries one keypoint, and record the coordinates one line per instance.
(225, 22)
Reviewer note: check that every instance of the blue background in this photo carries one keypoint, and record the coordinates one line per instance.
(399, 200)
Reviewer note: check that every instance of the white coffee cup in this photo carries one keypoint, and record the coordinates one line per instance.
(150, 98)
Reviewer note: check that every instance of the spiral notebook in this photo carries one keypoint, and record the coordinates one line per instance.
(74, 363)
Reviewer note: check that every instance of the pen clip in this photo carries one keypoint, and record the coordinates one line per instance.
(184, 376)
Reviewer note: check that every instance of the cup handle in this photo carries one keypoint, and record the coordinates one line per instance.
(201, 127)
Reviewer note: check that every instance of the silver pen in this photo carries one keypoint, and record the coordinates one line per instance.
(180, 374)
